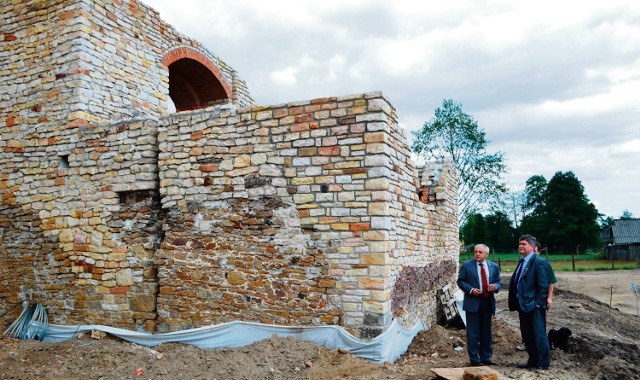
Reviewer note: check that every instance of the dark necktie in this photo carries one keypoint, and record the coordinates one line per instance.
(519, 270)
(485, 283)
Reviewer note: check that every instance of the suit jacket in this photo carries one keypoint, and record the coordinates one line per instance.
(468, 279)
(532, 288)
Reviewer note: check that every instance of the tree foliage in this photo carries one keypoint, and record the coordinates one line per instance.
(534, 193)
(455, 135)
(494, 230)
(562, 216)
(626, 214)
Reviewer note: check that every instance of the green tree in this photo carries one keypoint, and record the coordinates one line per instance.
(500, 232)
(626, 214)
(564, 217)
(534, 193)
(605, 223)
(494, 230)
(474, 231)
(455, 135)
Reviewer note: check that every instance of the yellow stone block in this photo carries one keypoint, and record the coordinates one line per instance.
(102, 290)
(379, 246)
(14, 144)
(79, 115)
(371, 283)
(379, 295)
(377, 184)
(379, 208)
(302, 181)
(66, 236)
(116, 256)
(160, 95)
(373, 258)
(375, 307)
(375, 235)
(304, 198)
(325, 179)
(242, 161)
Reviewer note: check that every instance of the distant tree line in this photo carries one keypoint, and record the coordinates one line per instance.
(557, 212)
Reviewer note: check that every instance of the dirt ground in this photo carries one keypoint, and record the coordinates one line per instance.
(605, 345)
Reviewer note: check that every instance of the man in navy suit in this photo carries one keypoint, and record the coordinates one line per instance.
(528, 291)
(479, 279)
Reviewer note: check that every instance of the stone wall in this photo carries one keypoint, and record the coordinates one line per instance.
(83, 240)
(300, 213)
(65, 67)
(114, 212)
(304, 213)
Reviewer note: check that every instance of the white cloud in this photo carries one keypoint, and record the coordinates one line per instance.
(554, 84)
(285, 77)
(629, 147)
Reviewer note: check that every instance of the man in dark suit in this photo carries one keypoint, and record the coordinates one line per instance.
(528, 291)
(479, 279)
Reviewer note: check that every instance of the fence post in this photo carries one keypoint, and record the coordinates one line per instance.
(612, 265)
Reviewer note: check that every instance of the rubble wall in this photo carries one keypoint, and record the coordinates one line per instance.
(301, 213)
(115, 212)
(69, 69)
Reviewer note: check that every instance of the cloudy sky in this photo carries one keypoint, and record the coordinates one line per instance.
(555, 84)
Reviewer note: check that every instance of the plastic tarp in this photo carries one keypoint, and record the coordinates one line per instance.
(459, 297)
(386, 347)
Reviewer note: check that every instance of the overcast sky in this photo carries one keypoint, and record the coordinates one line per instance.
(555, 84)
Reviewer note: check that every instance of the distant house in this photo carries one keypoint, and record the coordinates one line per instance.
(623, 240)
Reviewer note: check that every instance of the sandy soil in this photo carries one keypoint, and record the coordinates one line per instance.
(605, 345)
(610, 287)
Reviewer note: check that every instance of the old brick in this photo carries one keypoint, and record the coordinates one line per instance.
(329, 150)
(209, 168)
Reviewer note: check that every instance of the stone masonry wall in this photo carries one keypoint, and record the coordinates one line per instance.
(114, 212)
(301, 213)
(304, 213)
(84, 240)
(65, 67)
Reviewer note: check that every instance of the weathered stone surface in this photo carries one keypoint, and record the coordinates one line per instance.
(114, 211)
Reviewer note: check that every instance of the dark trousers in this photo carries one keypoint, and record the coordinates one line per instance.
(479, 339)
(534, 334)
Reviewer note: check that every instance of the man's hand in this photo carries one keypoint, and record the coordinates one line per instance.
(549, 302)
(491, 288)
(475, 292)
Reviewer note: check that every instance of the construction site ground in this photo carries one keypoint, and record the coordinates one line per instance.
(605, 345)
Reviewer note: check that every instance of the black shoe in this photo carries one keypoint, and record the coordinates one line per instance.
(488, 362)
(538, 368)
(525, 366)
(476, 364)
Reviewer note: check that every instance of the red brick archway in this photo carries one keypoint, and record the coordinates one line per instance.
(194, 81)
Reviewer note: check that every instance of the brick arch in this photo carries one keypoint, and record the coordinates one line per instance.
(194, 81)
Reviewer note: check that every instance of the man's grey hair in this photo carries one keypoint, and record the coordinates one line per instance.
(486, 248)
(529, 239)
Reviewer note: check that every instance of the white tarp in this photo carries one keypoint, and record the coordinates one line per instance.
(459, 297)
(386, 347)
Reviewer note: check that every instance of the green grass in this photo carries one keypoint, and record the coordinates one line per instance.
(560, 262)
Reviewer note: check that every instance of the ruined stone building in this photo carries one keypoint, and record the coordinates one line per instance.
(116, 211)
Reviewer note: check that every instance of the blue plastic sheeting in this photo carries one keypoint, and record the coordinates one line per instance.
(386, 347)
